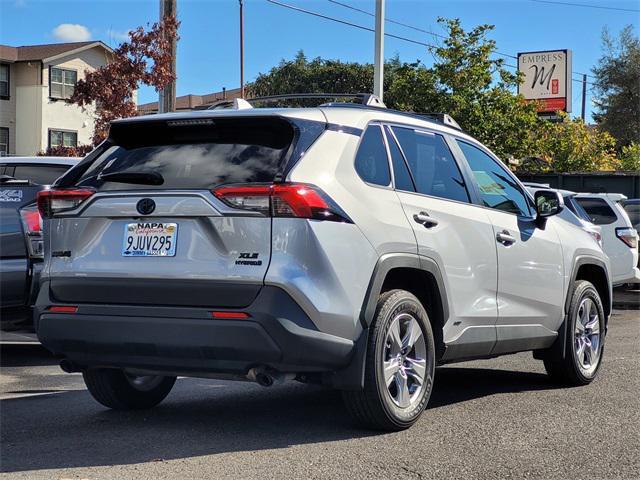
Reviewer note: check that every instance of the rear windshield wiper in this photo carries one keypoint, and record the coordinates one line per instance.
(13, 181)
(140, 178)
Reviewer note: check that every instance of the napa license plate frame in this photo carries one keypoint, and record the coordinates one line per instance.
(150, 239)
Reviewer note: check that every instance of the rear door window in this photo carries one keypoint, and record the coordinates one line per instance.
(192, 154)
(433, 168)
(39, 174)
(371, 161)
(598, 210)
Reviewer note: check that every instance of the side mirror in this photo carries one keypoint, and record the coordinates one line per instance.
(548, 203)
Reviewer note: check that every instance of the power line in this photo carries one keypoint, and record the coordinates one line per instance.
(585, 5)
(412, 27)
(368, 29)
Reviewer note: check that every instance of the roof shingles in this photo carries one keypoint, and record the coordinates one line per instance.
(40, 52)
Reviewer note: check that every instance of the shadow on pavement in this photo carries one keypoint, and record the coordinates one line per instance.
(30, 355)
(204, 417)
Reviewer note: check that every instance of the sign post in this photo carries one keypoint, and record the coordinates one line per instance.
(547, 80)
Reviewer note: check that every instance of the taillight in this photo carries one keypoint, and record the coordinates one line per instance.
(32, 225)
(628, 235)
(55, 201)
(283, 200)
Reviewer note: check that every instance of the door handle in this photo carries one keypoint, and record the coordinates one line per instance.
(505, 238)
(423, 218)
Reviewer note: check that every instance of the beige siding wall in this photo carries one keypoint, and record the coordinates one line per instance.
(8, 111)
(28, 107)
(62, 115)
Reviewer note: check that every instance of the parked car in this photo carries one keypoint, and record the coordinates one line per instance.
(21, 178)
(349, 245)
(632, 207)
(619, 238)
(574, 213)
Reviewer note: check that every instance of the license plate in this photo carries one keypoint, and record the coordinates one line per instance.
(153, 239)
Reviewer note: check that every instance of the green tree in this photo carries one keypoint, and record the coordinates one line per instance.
(464, 82)
(477, 91)
(629, 158)
(571, 146)
(617, 90)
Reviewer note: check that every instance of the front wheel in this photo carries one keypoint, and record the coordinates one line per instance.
(584, 338)
(119, 390)
(399, 368)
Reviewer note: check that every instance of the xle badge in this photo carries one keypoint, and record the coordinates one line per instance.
(248, 258)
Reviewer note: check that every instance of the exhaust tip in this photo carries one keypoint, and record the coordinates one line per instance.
(264, 379)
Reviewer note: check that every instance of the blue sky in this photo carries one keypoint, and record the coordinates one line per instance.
(208, 49)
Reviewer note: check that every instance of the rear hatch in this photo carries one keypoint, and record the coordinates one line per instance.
(138, 222)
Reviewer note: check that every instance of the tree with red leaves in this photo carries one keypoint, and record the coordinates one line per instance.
(144, 59)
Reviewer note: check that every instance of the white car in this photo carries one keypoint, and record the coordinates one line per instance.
(619, 238)
(574, 213)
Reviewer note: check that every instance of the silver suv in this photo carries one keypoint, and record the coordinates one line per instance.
(354, 246)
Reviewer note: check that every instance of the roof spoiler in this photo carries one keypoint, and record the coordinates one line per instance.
(366, 99)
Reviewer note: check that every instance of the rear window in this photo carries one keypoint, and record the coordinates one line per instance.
(40, 174)
(633, 210)
(193, 154)
(598, 210)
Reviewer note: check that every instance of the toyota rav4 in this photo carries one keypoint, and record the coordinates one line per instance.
(350, 245)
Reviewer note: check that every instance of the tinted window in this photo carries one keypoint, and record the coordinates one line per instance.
(371, 160)
(193, 156)
(598, 210)
(432, 165)
(497, 188)
(40, 174)
(633, 210)
(575, 207)
(401, 173)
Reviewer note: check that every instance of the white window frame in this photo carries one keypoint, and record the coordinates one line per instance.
(64, 86)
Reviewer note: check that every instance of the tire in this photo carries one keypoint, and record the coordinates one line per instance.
(396, 403)
(115, 389)
(581, 368)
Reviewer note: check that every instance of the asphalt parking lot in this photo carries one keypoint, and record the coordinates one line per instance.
(499, 418)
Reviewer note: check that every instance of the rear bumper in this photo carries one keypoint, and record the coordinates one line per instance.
(183, 340)
(632, 277)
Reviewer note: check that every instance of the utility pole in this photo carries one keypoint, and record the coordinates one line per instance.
(167, 97)
(584, 95)
(378, 65)
(241, 48)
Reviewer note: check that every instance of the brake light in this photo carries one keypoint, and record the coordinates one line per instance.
(55, 201)
(32, 224)
(628, 235)
(297, 200)
(62, 309)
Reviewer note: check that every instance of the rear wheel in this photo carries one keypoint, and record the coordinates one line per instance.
(584, 339)
(399, 367)
(119, 390)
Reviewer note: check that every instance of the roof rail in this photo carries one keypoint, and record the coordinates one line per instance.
(366, 99)
(443, 118)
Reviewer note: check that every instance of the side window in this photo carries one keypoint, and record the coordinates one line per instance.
(401, 173)
(432, 165)
(497, 189)
(372, 163)
(598, 210)
(39, 174)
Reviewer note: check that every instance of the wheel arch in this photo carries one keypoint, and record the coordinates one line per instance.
(595, 271)
(416, 274)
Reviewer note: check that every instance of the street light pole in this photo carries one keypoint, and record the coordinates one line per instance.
(378, 65)
(241, 48)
